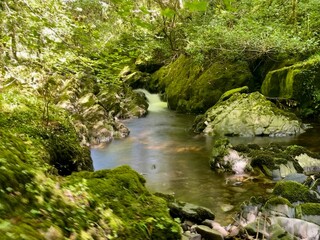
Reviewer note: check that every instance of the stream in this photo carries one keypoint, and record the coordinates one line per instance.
(174, 160)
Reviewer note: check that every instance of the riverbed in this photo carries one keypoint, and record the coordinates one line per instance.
(176, 161)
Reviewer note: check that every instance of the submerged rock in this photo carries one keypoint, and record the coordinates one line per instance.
(248, 115)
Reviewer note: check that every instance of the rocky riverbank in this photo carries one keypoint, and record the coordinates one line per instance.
(39, 147)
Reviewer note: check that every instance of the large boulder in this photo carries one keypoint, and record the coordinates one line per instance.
(248, 115)
(191, 87)
(298, 82)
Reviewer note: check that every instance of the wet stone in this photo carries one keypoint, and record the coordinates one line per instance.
(191, 236)
(208, 233)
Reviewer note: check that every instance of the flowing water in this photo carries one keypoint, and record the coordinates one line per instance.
(176, 161)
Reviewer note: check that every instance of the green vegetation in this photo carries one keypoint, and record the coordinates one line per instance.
(37, 205)
(310, 208)
(142, 214)
(295, 192)
(60, 84)
(53, 135)
(277, 201)
(190, 87)
(298, 82)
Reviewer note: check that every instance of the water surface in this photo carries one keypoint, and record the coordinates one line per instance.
(176, 161)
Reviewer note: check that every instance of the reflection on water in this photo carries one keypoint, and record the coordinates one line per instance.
(173, 160)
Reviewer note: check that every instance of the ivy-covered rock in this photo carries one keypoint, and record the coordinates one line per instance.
(189, 87)
(298, 82)
(248, 115)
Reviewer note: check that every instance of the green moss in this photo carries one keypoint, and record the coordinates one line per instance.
(278, 200)
(294, 192)
(55, 137)
(298, 82)
(310, 208)
(295, 150)
(19, 230)
(122, 189)
(274, 79)
(263, 159)
(66, 155)
(229, 93)
(190, 87)
(253, 146)
(242, 148)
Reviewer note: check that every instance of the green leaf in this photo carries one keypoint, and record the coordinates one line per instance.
(196, 6)
(168, 12)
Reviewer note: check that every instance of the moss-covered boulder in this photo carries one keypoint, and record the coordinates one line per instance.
(190, 87)
(298, 82)
(296, 192)
(24, 114)
(274, 161)
(248, 115)
(140, 214)
(309, 212)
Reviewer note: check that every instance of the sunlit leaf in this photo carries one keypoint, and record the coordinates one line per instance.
(168, 12)
(196, 6)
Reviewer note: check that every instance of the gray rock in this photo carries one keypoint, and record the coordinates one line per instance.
(208, 233)
(208, 223)
(249, 115)
(310, 165)
(226, 207)
(191, 236)
(299, 228)
(309, 212)
(188, 211)
(297, 177)
(281, 210)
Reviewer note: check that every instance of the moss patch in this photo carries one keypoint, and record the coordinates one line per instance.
(122, 190)
(298, 82)
(278, 200)
(190, 87)
(310, 208)
(294, 192)
(58, 144)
